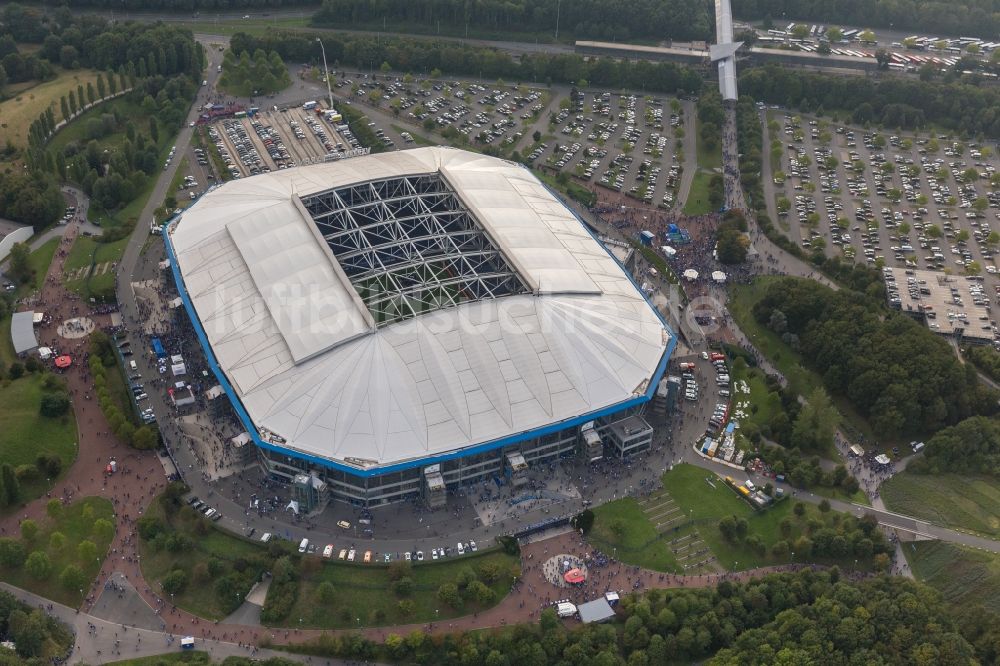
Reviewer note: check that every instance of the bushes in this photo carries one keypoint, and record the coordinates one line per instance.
(283, 593)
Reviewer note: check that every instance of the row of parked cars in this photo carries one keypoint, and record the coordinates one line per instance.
(204, 508)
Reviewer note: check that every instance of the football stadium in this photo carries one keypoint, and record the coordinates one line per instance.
(391, 326)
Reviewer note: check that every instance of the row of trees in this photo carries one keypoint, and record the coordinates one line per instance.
(455, 58)
(731, 238)
(583, 19)
(900, 375)
(792, 618)
(977, 18)
(262, 74)
(896, 101)
(101, 352)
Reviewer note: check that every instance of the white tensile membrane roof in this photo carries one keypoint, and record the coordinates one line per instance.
(313, 367)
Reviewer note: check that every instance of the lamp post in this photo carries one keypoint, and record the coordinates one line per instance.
(326, 72)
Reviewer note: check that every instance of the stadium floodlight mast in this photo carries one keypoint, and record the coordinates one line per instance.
(326, 72)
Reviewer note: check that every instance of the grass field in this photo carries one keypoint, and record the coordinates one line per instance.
(7, 354)
(638, 543)
(40, 260)
(363, 592)
(24, 433)
(767, 403)
(705, 499)
(76, 524)
(86, 247)
(707, 159)
(17, 113)
(77, 130)
(697, 200)
(963, 502)
(963, 576)
(801, 379)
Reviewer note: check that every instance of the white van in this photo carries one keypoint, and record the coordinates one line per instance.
(265, 537)
(132, 365)
(918, 447)
(565, 609)
(303, 545)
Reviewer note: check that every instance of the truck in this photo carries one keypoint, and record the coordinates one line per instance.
(565, 609)
(311, 104)
(686, 366)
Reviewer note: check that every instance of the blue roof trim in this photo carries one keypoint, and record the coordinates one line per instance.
(430, 460)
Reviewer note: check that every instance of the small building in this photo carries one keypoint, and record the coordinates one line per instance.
(630, 435)
(598, 610)
(22, 333)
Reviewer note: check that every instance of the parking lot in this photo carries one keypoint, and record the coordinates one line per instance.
(888, 199)
(625, 143)
(278, 139)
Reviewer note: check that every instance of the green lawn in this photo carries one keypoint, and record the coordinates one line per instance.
(362, 589)
(638, 543)
(801, 379)
(205, 544)
(963, 502)
(697, 200)
(21, 109)
(39, 260)
(7, 354)
(707, 159)
(86, 247)
(24, 433)
(962, 575)
(76, 524)
(363, 592)
(764, 404)
(706, 499)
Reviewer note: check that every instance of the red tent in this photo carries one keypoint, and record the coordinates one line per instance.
(63, 361)
(574, 576)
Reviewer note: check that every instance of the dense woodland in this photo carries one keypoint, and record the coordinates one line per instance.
(40, 639)
(583, 19)
(970, 447)
(896, 102)
(454, 58)
(975, 18)
(794, 618)
(900, 375)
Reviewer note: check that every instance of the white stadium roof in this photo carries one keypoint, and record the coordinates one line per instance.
(523, 320)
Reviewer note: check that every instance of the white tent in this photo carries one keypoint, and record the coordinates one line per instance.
(176, 358)
(241, 440)
(45, 353)
(719, 276)
(178, 369)
(691, 274)
(667, 250)
(176, 303)
(214, 392)
(38, 318)
(164, 264)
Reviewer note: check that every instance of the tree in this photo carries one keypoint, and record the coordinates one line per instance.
(20, 263)
(448, 594)
(326, 592)
(174, 582)
(834, 34)
(54, 405)
(57, 541)
(824, 506)
(54, 508)
(144, 438)
(38, 565)
(12, 552)
(72, 578)
(103, 529)
(583, 521)
(799, 509)
(86, 551)
(29, 530)
(866, 36)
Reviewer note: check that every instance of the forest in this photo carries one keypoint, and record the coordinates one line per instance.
(896, 102)
(970, 447)
(806, 617)
(582, 19)
(975, 18)
(901, 376)
(453, 58)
